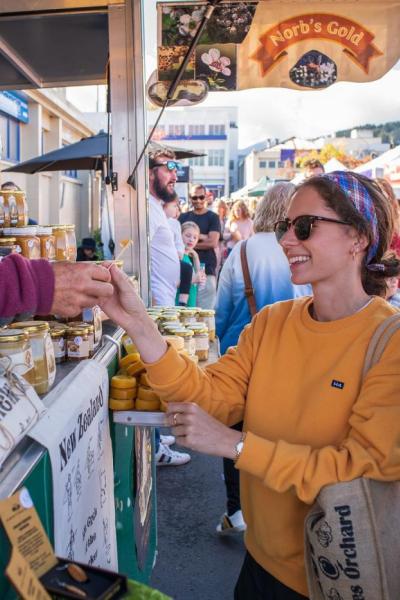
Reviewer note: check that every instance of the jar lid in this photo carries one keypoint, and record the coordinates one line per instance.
(57, 332)
(77, 330)
(55, 324)
(44, 230)
(188, 312)
(31, 326)
(13, 335)
(58, 227)
(81, 324)
(70, 227)
(185, 333)
(165, 317)
(7, 240)
(206, 312)
(12, 192)
(199, 328)
(20, 231)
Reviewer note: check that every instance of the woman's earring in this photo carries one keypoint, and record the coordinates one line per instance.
(354, 254)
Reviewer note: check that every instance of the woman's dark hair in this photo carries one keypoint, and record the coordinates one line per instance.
(336, 199)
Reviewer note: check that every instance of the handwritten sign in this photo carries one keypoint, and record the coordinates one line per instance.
(76, 433)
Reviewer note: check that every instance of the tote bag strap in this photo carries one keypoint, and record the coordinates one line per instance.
(379, 341)
(248, 285)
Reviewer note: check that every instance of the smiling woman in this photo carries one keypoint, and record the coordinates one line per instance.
(295, 378)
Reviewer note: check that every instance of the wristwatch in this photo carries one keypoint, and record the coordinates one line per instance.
(239, 446)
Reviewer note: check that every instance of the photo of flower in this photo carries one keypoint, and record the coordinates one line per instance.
(216, 62)
(216, 65)
(229, 23)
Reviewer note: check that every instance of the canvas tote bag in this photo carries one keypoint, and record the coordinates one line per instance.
(352, 532)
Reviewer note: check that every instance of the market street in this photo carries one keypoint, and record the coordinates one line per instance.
(194, 563)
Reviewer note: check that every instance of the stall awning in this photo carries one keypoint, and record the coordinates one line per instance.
(53, 48)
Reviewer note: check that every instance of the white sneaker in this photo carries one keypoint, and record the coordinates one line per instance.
(233, 524)
(167, 440)
(165, 457)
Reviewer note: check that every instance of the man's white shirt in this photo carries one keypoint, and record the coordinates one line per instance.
(164, 260)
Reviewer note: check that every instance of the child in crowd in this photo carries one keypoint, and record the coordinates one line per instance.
(392, 283)
(190, 236)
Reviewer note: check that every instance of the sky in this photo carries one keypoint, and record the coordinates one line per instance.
(282, 113)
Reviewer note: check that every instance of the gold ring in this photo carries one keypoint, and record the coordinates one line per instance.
(175, 419)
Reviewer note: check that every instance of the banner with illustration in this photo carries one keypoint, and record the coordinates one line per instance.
(75, 430)
(274, 43)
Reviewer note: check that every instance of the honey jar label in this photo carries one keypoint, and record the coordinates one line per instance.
(59, 348)
(50, 359)
(78, 347)
(202, 343)
(22, 361)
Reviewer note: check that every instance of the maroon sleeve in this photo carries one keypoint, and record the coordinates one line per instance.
(25, 286)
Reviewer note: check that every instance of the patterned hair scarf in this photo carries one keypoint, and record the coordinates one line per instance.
(363, 203)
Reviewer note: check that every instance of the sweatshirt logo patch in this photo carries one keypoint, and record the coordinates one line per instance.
(337, 384)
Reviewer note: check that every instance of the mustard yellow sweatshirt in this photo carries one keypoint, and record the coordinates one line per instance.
(309, 418)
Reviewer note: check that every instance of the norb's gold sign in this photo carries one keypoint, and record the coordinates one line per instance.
(311, 45)
(356, 39)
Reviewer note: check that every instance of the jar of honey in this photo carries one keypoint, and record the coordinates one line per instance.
(90, 333)
(15, 344)
(201, 340)
(47, 242)
(61, 241)
(42, 351)
(57, 335)
(77, 343)
(15, 200)
(26, 239)
(208, 317)
(71, 242)
(8, 245)
(93, 317)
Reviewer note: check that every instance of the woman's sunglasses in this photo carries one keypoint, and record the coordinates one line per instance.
(302, 226)
(170, 164)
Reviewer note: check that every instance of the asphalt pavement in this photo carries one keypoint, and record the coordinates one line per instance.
(194, 562)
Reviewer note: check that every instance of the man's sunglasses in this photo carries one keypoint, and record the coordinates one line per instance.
(201, 197)
(170, 164)
(302, 226)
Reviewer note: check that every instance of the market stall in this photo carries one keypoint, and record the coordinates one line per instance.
(34, 45)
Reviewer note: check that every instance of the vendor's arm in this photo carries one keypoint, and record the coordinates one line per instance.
(371, 449)
(27, 286)
(219, 389)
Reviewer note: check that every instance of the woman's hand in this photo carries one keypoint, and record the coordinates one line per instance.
(197, 430)
(199, 277)
(127, 310)
(124, 305)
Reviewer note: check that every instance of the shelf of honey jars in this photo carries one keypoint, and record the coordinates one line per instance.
(191, 331)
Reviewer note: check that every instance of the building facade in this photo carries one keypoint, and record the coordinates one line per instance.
(210, 131)
(33, 123)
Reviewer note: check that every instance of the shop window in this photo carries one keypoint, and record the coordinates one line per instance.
(176, 130)
(197, 130)
(262, 164)
(231, 165)
(271, 164)
(197, 161)
(10, 138)
(281, 164)
(216, 158)
(216, 129)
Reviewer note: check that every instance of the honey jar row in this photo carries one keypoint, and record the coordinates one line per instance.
(53, 242)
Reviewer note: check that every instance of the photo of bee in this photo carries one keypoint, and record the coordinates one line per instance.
(314, 70)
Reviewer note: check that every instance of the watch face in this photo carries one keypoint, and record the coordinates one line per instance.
(239, 448)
